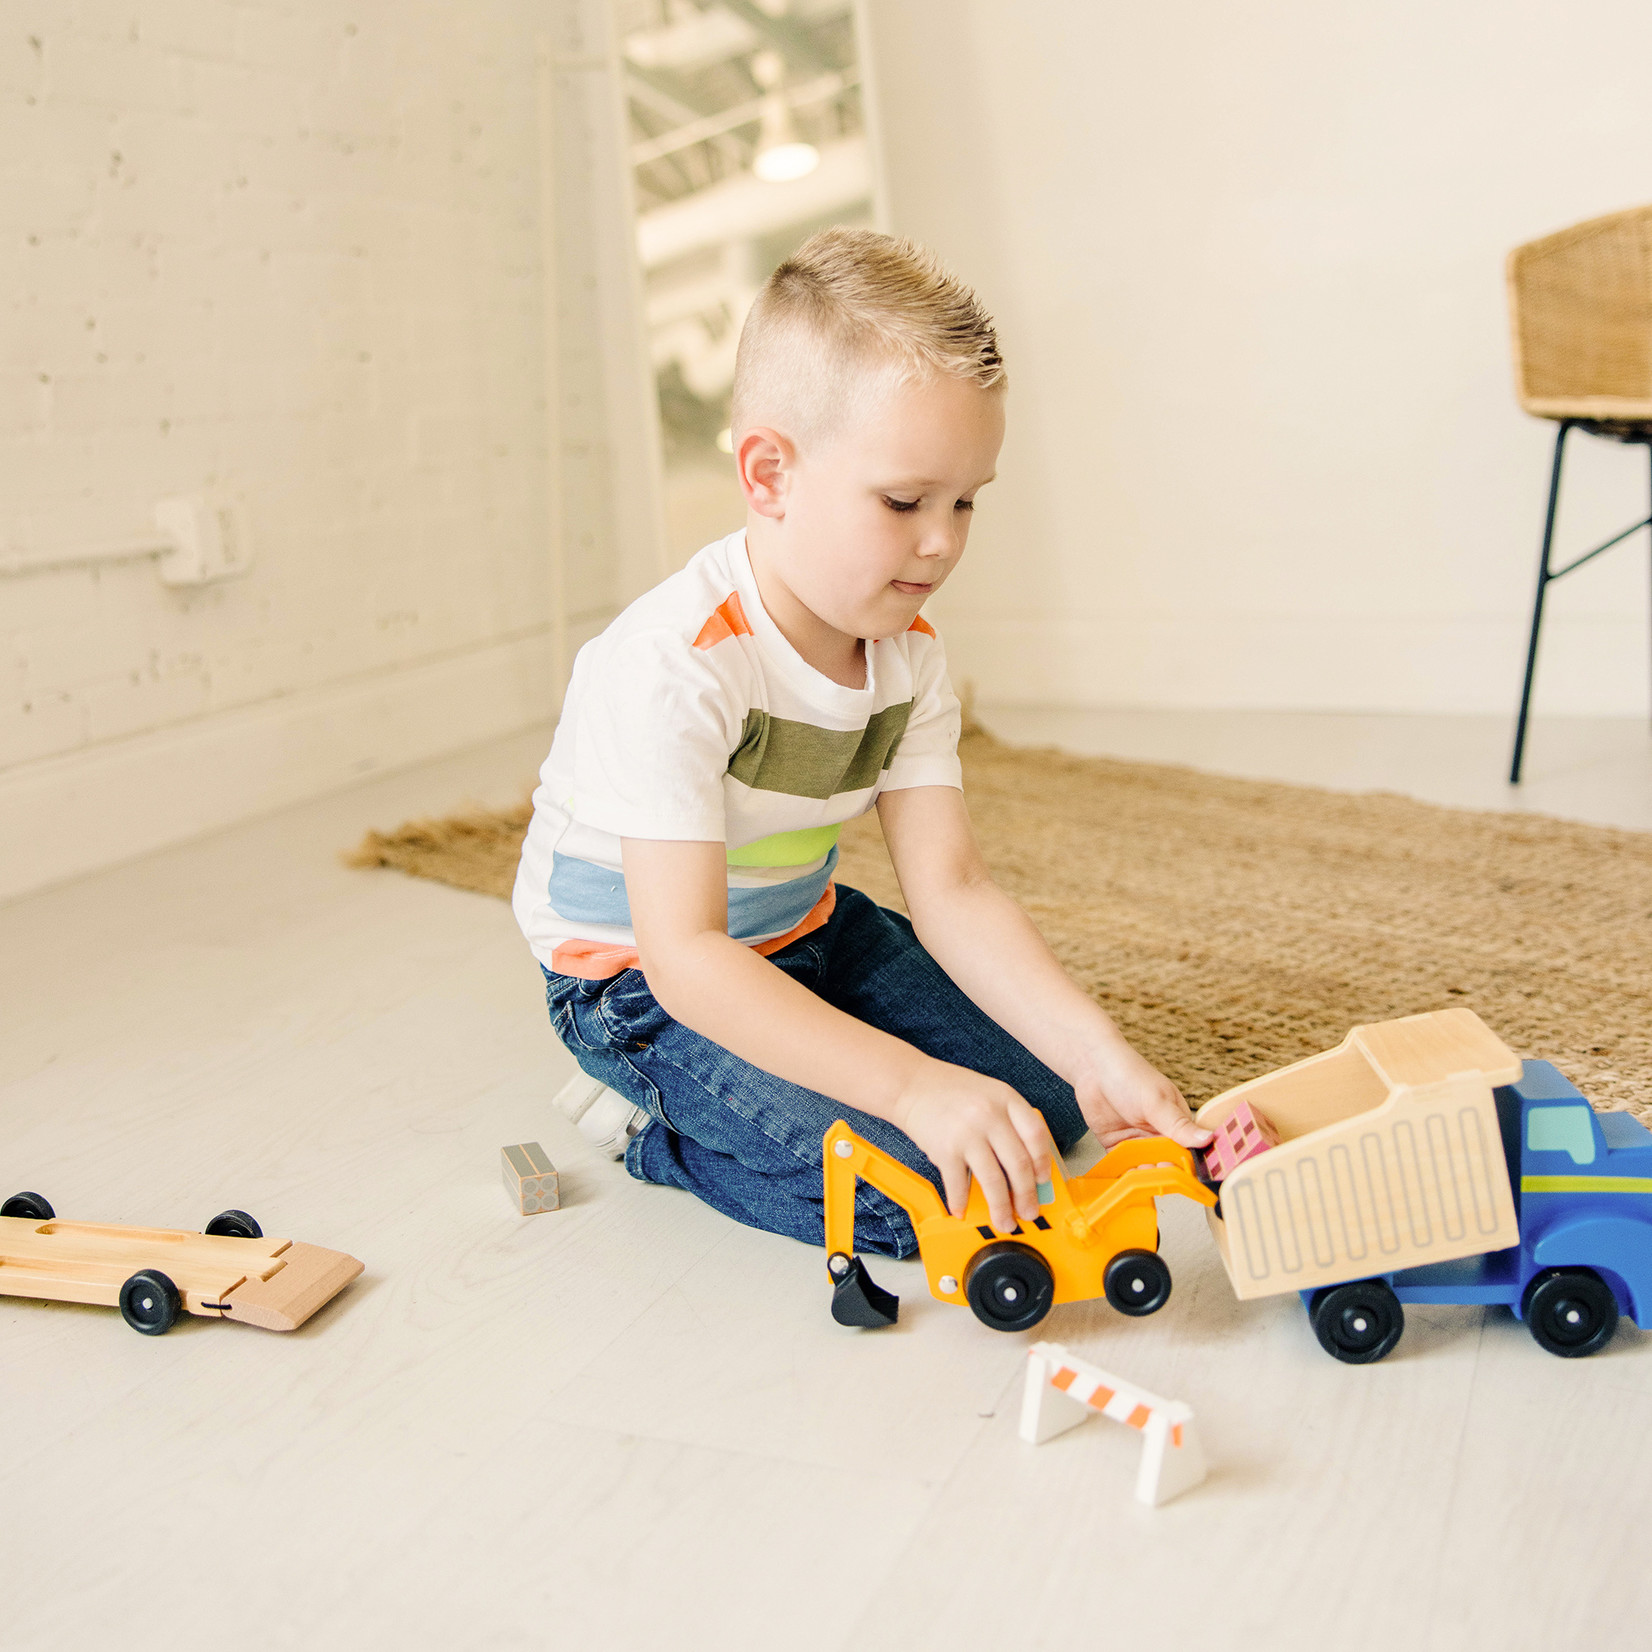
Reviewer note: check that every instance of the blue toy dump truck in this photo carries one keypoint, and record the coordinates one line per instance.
(1421, 1161)
(1582, 1185)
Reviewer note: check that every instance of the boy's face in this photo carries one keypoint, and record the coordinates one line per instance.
(862, 525)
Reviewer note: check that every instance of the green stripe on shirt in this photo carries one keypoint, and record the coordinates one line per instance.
(800, 760)
(787, 848)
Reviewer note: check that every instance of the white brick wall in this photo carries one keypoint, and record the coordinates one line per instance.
(287, 253)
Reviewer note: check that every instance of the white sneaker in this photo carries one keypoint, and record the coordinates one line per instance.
(604, 1117)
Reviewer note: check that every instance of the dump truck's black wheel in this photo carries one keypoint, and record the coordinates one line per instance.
(1137, 1282)
(149, 1302)
(29, 1205)
(233, 1224)
(1009, 1286)
(1571, 1312)
(1358, 1323)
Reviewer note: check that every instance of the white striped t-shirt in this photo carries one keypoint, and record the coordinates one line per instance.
(692, 719)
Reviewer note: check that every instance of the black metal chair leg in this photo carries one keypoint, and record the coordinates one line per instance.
(1543, 577)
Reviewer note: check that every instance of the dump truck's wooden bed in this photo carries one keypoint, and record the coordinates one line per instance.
(275, 1283)
(1389, 1157)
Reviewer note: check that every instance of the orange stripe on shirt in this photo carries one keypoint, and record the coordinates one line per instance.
(921, 624)
(593, 960)
(818, 914)
(727, 621)
(602, 960)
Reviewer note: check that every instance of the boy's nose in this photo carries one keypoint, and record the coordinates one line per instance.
(940, 541)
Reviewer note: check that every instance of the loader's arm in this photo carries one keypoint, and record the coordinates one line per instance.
(1140, 1150)
(1144, 1168)
(848, 1159)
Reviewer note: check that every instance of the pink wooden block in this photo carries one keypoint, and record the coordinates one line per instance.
(1241, 1135)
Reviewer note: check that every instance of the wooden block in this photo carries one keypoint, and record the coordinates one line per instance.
(1241, 1135)
(530, 1179)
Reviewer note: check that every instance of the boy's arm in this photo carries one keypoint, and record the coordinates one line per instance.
(989, 946)
(965, 1123)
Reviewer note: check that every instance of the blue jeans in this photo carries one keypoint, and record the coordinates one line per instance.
(748, 1143)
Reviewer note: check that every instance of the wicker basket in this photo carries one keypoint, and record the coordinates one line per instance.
(1581, 306)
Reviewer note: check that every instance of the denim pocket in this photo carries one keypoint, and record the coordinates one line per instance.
(629, 1013)
(562, 994)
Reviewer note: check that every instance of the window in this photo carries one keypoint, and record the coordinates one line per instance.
(747, 135)
(1562, 1130)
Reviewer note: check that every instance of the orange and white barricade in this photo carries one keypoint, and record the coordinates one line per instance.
(1062, 1390)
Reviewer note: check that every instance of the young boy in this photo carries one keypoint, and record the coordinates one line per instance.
(676, 882)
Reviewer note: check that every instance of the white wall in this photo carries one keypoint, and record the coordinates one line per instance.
(1248, 265)
(293, 255)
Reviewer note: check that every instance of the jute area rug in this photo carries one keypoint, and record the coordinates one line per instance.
(1232, 926)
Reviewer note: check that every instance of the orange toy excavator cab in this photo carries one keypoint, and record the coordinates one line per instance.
(1096, 1235)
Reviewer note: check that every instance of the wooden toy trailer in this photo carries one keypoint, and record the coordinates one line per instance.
(1389, 1157)
(231, 1271)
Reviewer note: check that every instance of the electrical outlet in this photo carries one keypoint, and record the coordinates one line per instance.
(208, 540)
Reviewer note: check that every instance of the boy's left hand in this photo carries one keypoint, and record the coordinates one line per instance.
(1123, 1096)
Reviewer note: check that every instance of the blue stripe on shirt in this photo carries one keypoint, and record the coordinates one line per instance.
(583, 892)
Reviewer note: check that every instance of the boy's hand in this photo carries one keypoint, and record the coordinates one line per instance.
(1123, 1096)
(967, 1126)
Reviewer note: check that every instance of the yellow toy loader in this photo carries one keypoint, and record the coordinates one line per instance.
(1096, 1235)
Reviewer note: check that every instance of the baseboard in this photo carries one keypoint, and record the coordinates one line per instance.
(1590, 666)
(68, 815)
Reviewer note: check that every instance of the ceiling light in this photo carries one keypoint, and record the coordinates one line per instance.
(781, 154)
(786, 161)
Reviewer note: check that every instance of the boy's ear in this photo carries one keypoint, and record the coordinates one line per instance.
(764, 461)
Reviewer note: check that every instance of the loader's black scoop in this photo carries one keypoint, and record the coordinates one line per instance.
(856, 1300)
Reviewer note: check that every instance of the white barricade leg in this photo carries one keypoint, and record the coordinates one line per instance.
(1045, 1410)
(1171, 1458)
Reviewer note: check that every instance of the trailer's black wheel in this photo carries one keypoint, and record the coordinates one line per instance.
(31, 1205)
(1571, 1312)
(233, 1224)
(149, 1302)
(1357, 1323)
(1137, 1282)
(1009, 1286)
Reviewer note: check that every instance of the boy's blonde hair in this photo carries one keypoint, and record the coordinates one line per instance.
(850, 312)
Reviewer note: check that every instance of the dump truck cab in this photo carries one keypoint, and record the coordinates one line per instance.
(1582, 1185)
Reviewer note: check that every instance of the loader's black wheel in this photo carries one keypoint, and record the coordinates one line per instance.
(1009, 1286)
(29, 1205)
(149, 1302)
(1358, 1323)
(233, 1224)
(1137, 1282)
(1571, 1312)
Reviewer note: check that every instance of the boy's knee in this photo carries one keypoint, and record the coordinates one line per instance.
(1067, 1124)
(882, 1227)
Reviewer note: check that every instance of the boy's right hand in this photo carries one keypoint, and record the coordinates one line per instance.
(968, 1125)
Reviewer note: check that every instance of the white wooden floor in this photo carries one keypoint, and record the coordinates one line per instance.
(632, 1424)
